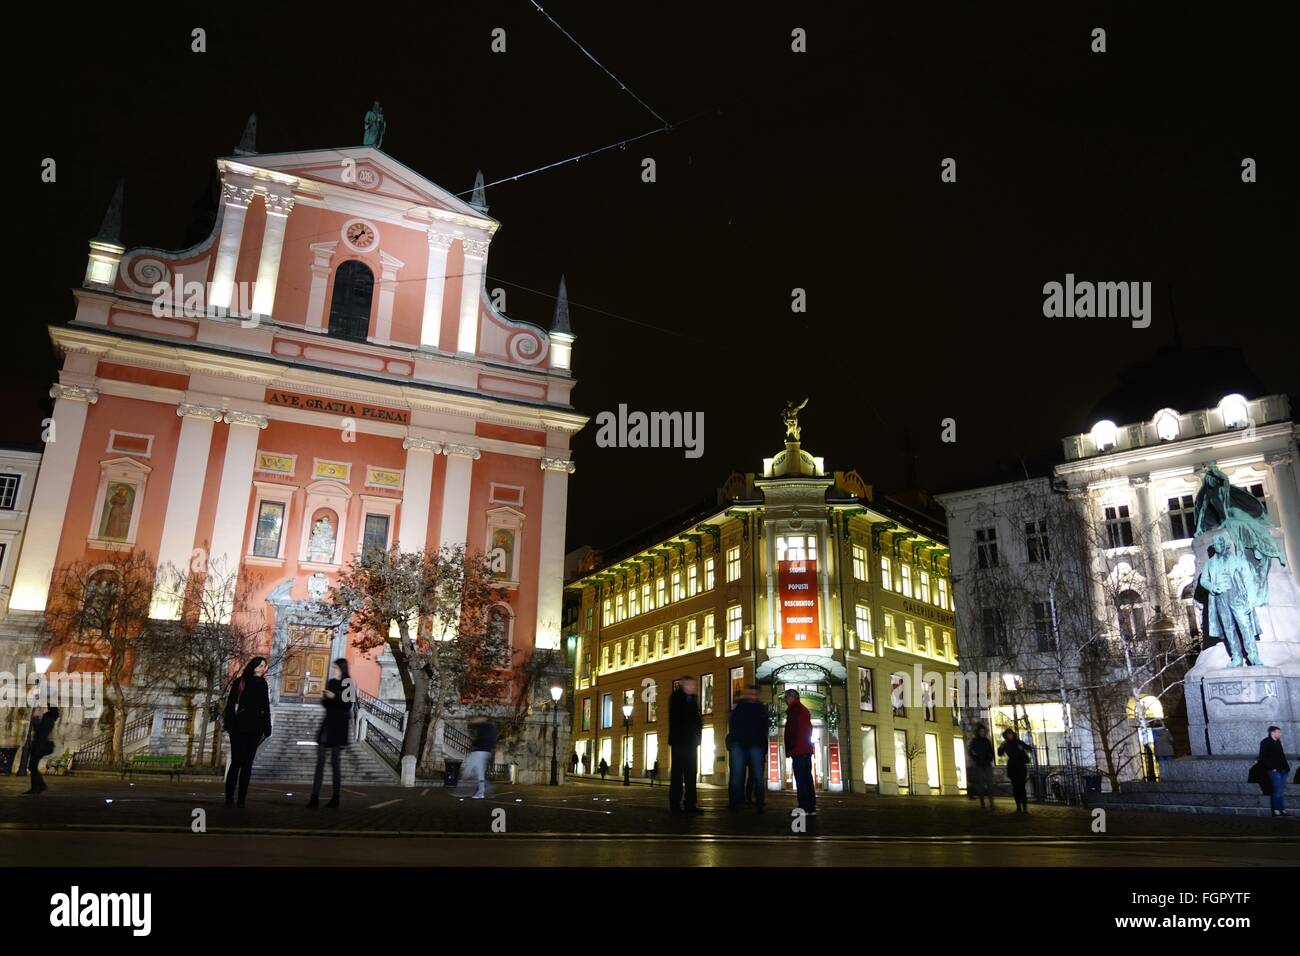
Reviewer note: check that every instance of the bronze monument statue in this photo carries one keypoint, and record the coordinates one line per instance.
(375, 127)
(791, 418)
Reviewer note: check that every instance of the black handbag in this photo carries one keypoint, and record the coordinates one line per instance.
(1259, 777)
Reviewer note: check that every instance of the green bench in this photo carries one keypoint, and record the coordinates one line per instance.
(154, 763)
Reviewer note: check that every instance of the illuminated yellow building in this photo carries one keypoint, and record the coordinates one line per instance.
(794, 577)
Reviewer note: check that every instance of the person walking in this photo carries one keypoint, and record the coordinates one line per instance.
(1017, 767)
(42, 746)
(1273, 759)
(603, 769)
(654, 773)
(684, 727)
(586, 763)
(747, 749)
(248, 721)
(573, 762)
(799, 748)
(981, 771)
(333, 732)
(480, 757)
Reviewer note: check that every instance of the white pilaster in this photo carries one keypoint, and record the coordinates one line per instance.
(50, 500)
(320, 274)
(417, 482)
(1149, 537)
(1286, 498)
(181, 520)
(455, 494)
(435, 282)
(550, 569)
(389, 266)
(471, 292)
(235, 199)
(229, 526)
(268, 265)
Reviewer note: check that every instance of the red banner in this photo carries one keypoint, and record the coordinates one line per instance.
(773, 762)
(796, 592)
(835, 763)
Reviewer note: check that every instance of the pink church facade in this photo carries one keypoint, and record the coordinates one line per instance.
(359, 389)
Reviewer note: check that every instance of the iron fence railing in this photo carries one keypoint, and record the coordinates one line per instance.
(382, 710)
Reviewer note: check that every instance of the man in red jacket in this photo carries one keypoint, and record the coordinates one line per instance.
(799, 748)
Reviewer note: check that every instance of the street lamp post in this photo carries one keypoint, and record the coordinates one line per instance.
(627, 745)
(42, 664)
(556, 693)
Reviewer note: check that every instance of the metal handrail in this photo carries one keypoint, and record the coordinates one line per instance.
(382, 710)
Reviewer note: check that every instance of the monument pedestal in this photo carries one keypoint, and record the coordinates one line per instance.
(1231, 708)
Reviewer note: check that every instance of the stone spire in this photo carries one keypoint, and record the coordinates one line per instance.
(561, 320)
(248, 142)
(110, 230)
(479, 198)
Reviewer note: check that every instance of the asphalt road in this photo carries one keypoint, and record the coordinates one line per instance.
(100, 821)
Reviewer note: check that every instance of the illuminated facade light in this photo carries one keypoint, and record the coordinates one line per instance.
(1104, 434)
(1233, 409)
(1166, 422)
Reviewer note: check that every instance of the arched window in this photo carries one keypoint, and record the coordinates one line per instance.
(1189, 607)
(1132, 617)
(354, 287)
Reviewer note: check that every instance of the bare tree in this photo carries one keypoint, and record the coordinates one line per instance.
(437, 611)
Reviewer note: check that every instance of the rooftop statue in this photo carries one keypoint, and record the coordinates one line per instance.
(375, 126)
(791, 417)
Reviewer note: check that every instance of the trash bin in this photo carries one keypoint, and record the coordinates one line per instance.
(7, 757)
(452, 775)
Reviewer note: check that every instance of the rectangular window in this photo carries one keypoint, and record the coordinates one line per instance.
(591, 619)
(733, 623)
(646, 601)
(870, 772)
(620, 612)
(900, 757)
(733, 563)
(932, 761)
(652, 703)
(959, 761)
(9, 491)
(692, 634)
(375, 534)
(692, 581)
(1182, 517)
(862, 624)
(905, 573)
(652, 751)
(927, 639)
(607, 613)
(886, 574)
(586, 713)
(645, 647)
(1044, 626)
(927, 699)
(909, 633)
(606, 711)
(898, 694)
(618, 656)
(923, 589)
(631, 651)
(860, 562)
(866, 693)
(1036, 549)
(737, 683)
(660, 586)
(942, 597)
(1257, 492)
(633, 602)
(678, 646)
(891, 629)
(677, 585)
(1119, 529)
(710, 575)
(710, 630)
(270, 529)
(604, 659)
(947, 645)
(659, 643)
(706, 696)
(986, 547)
(995, 633)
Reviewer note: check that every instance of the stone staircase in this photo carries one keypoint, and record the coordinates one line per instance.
(1199, 785)
(290, 754)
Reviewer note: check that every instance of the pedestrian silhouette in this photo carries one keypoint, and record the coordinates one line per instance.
(981, 771)
(42, 747)
(333, 732)
(603, 768)
(1017, 755)
(248, 721)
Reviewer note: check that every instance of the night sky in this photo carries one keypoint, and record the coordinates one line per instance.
(818, 170)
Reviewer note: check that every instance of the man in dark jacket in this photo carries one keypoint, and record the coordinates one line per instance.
(799, 748)
(684, 726)
(981, 771)
(1273, 759)
(747, 747)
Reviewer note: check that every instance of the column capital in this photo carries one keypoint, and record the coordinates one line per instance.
(1276, 458)
(232, 194)
(415, 443)
(278, 205)
(466, 451)
(77, 393)
(559, 464)
(206, 412)
(236, 417)
(440, 240)
(475, 247)
(1140, 481)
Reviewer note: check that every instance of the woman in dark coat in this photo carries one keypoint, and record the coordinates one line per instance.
(333, 733)
(1017, 766)
(248, 721)
(41, 747)
(981, 771)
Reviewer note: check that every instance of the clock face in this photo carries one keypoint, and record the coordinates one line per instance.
(360, 235)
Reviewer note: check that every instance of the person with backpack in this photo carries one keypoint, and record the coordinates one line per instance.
(248, 722)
